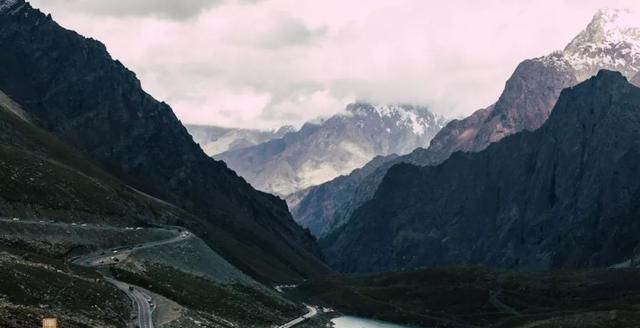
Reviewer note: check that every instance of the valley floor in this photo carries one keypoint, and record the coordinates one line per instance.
(479, 297)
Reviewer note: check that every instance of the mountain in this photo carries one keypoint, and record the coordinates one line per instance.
(70, 86)
(325, 208)
(563, 196)
(610, 41)
(43, 177)
(215, 140)
(319, 152)
(66, 205)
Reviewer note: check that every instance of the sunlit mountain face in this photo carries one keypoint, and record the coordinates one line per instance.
(311, 166)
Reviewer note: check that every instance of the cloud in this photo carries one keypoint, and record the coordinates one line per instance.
(274, 62)
(280, 31)
(173, 9)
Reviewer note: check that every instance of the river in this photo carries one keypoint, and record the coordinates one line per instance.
(355, 322)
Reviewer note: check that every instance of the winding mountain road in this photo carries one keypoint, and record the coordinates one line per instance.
(141, 301)
(118, 254)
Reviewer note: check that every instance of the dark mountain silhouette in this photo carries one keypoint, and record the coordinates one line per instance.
(563, 196)
(70, 86)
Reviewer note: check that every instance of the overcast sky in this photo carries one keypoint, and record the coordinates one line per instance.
(266, 63)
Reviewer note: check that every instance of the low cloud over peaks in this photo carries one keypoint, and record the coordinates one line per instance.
(276, 62)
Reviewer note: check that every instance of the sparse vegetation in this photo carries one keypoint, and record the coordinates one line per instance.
(472, 297)
(236, 302)
(61, 241)
(42, 177)
(33, 287)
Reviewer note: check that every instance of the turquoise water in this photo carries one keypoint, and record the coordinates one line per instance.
(355, 322)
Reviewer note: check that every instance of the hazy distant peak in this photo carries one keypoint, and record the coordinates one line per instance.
(284, 129)
(419, 118)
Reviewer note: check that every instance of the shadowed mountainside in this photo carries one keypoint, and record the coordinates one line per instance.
(70, 85)
(563, 196)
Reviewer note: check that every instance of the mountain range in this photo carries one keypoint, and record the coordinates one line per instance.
(321, 151)
(610, 41)
(115, 214)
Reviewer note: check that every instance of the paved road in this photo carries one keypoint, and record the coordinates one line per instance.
(313, 311)
(119, 254)
(141, 301)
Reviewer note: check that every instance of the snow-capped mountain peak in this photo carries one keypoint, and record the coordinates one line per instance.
(418, 118)
(611, 40)
(337, 145)
(609, 26)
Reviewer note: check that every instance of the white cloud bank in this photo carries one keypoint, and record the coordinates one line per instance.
(267, 63)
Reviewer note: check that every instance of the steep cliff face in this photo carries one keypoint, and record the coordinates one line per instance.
(563, 196)
(610, 41)
(70, 85)
(527, 99)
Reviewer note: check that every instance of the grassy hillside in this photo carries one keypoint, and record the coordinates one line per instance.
(476, 297)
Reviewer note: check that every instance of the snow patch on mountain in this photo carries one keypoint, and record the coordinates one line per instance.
(403, 116)
(334, 146)
(610, 41)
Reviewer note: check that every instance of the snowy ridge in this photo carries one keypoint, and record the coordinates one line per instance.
(334, 146)
(610, 41)
(419, 119)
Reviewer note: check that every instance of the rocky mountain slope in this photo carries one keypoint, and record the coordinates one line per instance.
(563, 196)
(42, 177)
(67, 205)
(215, 140)
(610, 41)
(70, 85)
(319, 152)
